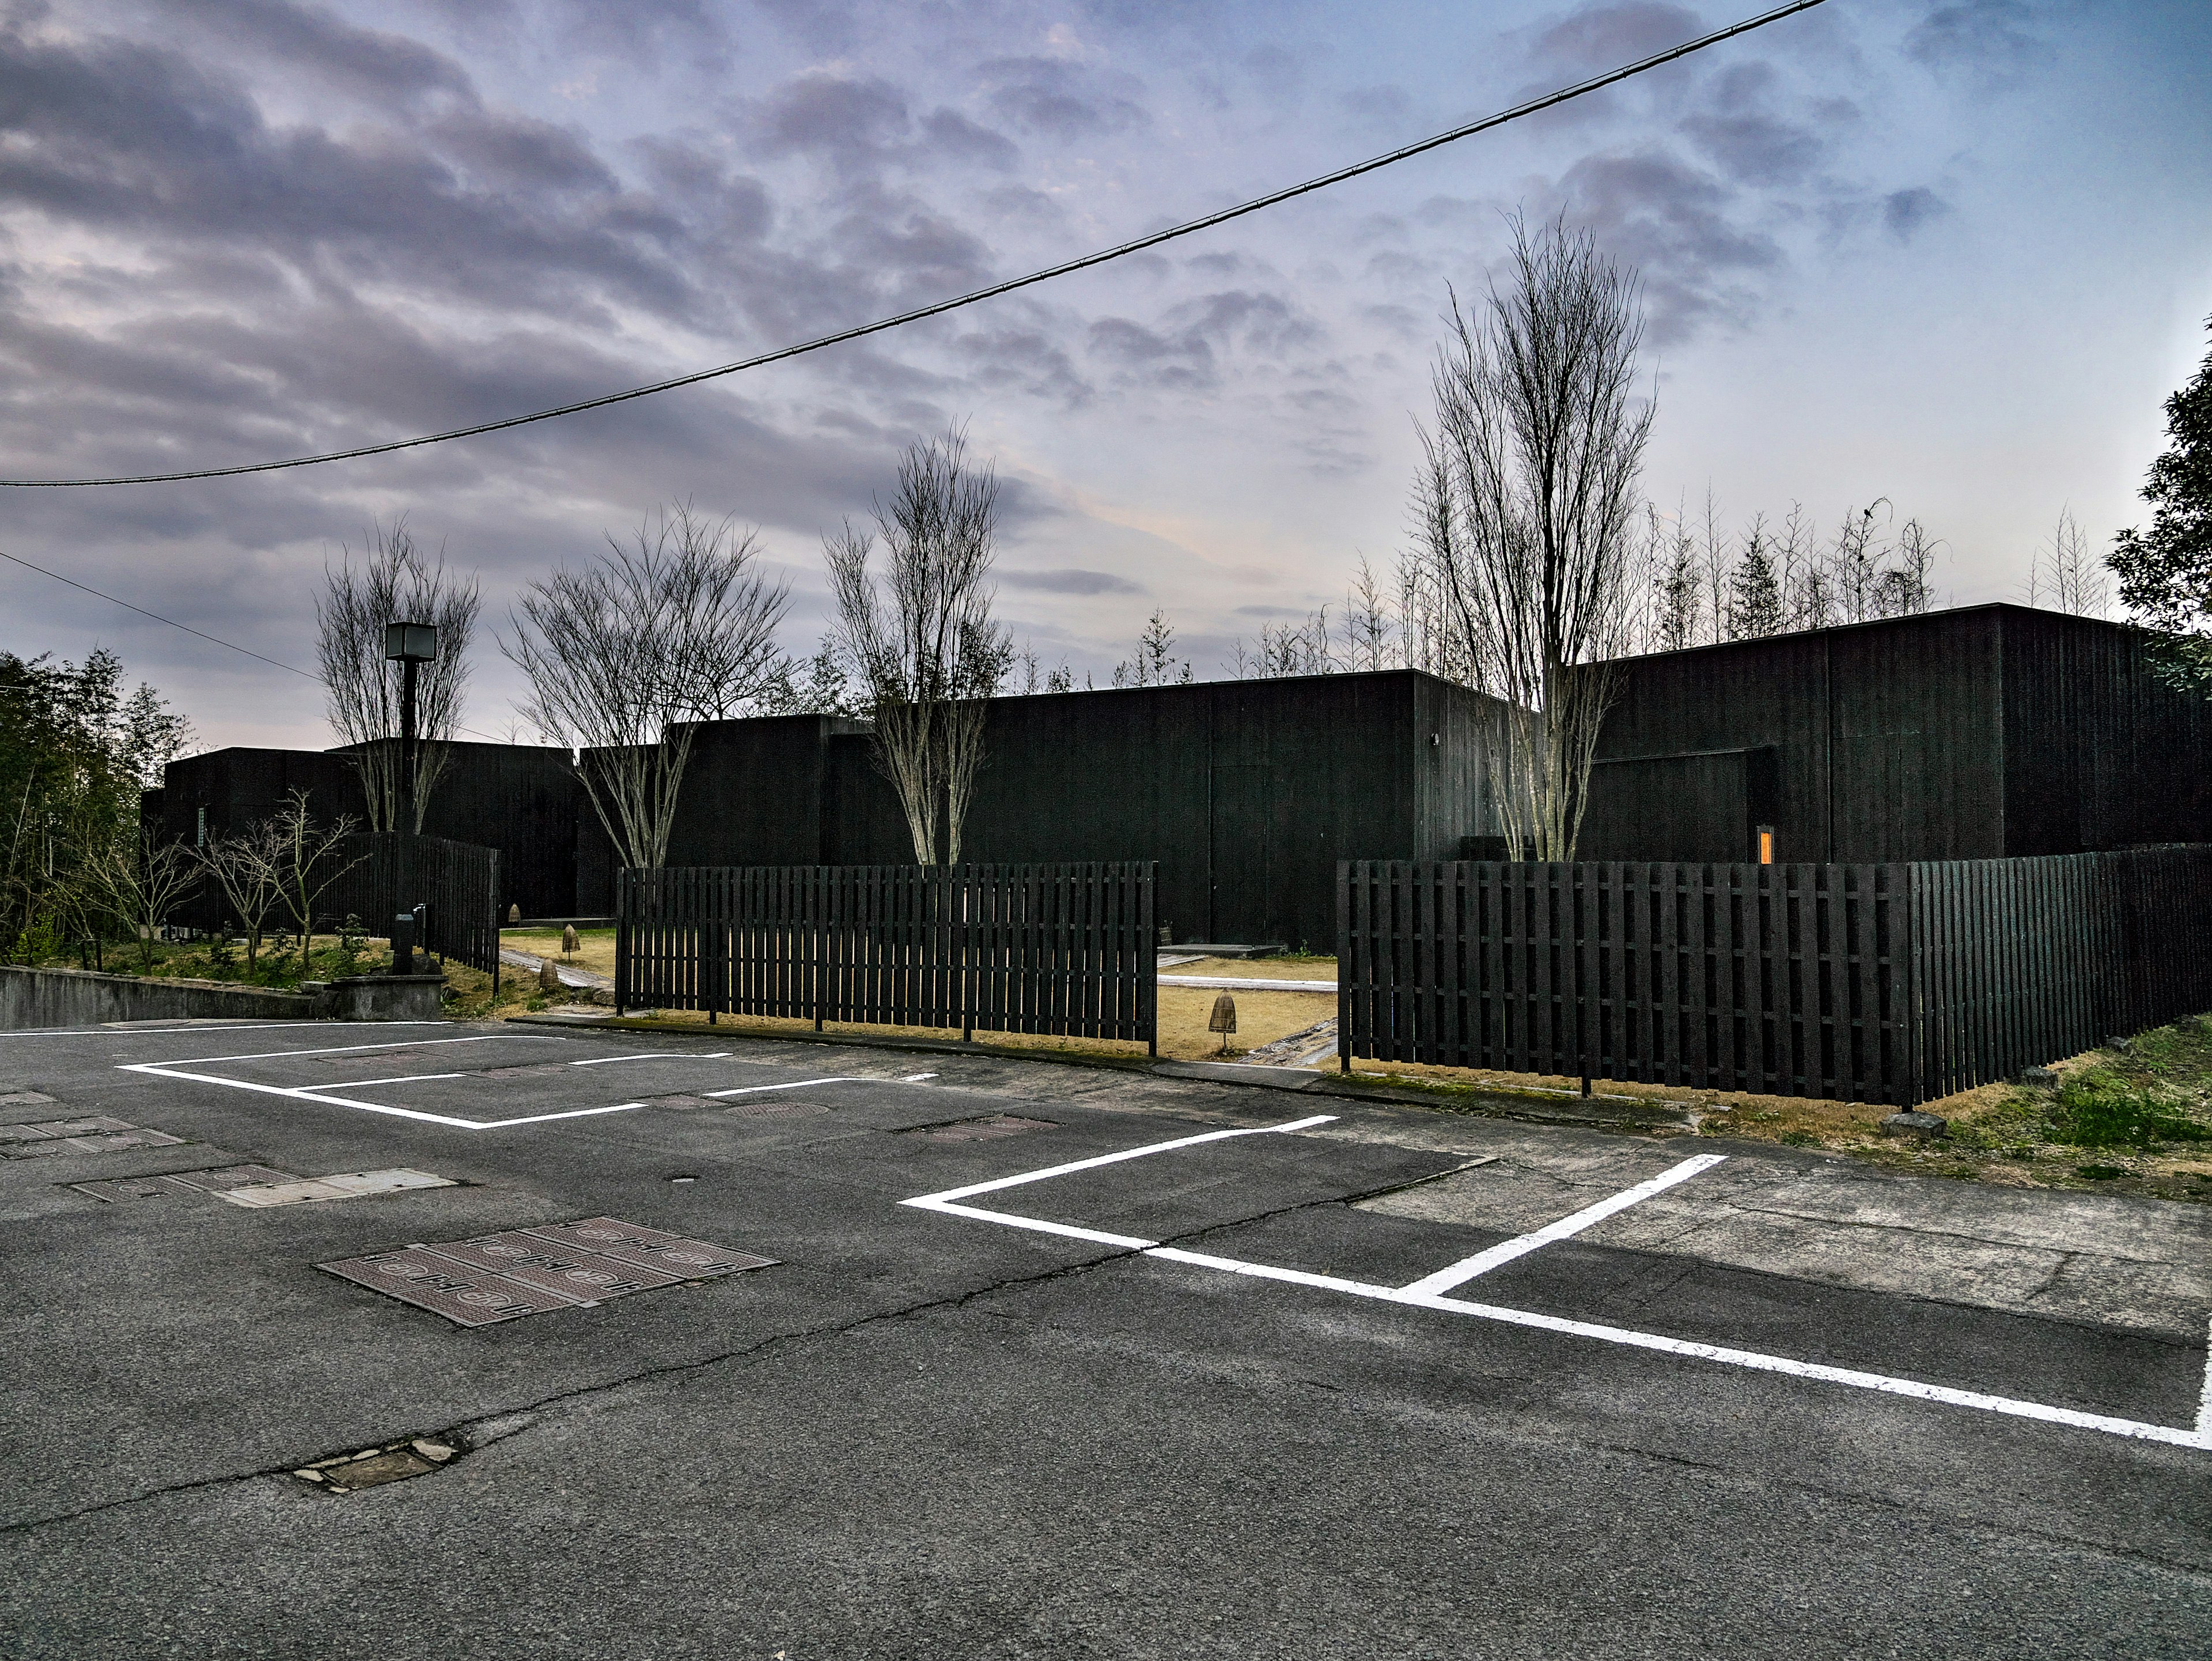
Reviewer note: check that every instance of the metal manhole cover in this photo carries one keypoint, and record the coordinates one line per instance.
(585, 1276)
(980, 1130)
(183, 1182)
(534, 1271)
(769, 1107)
(468, 1297)
(95, 1135)
(650, 1248)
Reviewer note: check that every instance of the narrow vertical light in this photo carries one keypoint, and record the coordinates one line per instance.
(1766, 844)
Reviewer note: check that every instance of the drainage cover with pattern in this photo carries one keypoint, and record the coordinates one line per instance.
(183, 1182)
(534, 1271)
(95, 1135)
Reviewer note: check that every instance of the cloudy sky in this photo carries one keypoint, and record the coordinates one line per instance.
(1953, 255)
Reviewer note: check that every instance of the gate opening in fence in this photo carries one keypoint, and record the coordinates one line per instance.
(1067, 950)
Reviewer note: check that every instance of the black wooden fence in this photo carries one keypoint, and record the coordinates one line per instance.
(456, 883)
(1065, 949)
(380, 874)
(1897, 982)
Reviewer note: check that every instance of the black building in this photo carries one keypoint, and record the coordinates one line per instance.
(1247, 793)
(1991, 731)
(520, 798)
(1988, 732)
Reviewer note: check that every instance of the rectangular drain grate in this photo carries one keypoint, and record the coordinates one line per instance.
(340, 1185)
(183, 1182)
(980, 1130)
(93, 1135)
(534, 1271)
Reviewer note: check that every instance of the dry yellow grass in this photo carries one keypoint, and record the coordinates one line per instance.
(1259, 969)
(595, 947)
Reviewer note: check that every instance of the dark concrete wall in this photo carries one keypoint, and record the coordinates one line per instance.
(520, 798)
(2099, 753)
(1988, 731)
(1246, 792)
(36, 998)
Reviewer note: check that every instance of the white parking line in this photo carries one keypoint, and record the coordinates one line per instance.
(301, 1093)
(1506, 1250)
(1412, 1296)
(328, 1096)
(657, 1055)
(350, 1048)
(796, 1084)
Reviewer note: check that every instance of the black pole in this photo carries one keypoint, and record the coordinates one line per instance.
(406, 817)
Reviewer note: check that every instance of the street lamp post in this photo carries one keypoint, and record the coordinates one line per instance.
(410, 645)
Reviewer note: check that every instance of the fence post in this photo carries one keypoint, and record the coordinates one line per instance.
(625, 893)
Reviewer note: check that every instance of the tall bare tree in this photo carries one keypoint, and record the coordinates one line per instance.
(922, 638)
(304, 859)
(675, 626)
(395, 583)
(2065, 575)
(247, 867)
(1528, 506)
(139, 880)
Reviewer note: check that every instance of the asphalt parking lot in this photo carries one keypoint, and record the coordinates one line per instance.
(1046, 1361)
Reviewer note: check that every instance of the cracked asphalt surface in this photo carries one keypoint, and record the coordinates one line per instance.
(928, 1435)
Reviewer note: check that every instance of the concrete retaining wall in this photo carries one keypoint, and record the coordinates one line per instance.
(75, 997)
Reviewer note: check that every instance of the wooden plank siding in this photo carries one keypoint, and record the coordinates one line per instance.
(1062, 949)
(383, 872)
(1894, 982)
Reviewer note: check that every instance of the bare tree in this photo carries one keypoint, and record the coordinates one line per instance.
(1903, 589)
(245, 868)
(675, 627)
(394, 584)
(2065, 576)
(140, 880)
(923, 641)
(303, 857)
(1368, 643)
(1528, 503)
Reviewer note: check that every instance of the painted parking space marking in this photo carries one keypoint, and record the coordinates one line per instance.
(331, 1095)
(1421, 1294)
(1506, 1250)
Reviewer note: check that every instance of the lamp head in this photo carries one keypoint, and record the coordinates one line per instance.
(411, 642)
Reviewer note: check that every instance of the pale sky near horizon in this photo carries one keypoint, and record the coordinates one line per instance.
(1955, 256)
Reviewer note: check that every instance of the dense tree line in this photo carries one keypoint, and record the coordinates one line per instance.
(76, 748)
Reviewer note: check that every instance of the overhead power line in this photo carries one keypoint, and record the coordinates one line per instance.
(1549, 100)
(157, 616)
(211, 639)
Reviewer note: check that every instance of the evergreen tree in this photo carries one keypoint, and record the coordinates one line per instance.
(2166, 573)
(1754, 590)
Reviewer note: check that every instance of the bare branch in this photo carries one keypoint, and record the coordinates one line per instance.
(675, 627)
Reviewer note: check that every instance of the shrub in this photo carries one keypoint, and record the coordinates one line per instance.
(2105, 1112)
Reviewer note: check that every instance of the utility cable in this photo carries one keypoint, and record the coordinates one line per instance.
(189, 629)
(1549, 100)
